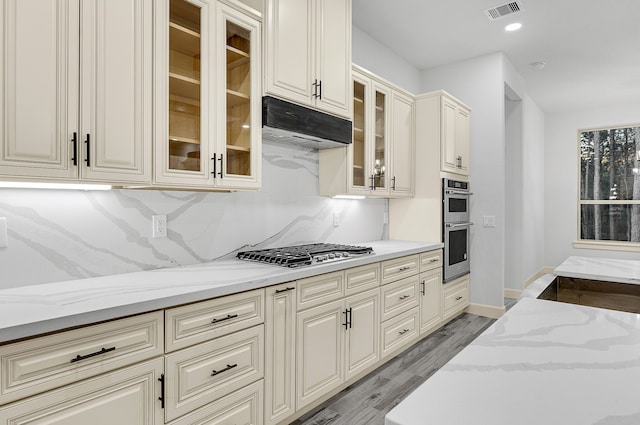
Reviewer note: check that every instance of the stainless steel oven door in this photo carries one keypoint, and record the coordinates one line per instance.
(456, 206)
(456, 250)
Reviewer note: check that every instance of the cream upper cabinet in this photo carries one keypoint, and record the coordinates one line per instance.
(454, 143)
(308, 53)
(403, 158)
(76, 100)
(208, 96)
(380, 160)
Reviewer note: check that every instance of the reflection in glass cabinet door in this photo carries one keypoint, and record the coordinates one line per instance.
(238, 103)
(184, 86)
(359, 151)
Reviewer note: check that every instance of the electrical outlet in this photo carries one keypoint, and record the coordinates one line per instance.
(385, 218)
(159, 223)
(3, 232)
(336, 219)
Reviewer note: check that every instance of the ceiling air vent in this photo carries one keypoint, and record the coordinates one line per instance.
(503, 10)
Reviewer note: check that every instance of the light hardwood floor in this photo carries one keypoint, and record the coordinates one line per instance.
(367, 401)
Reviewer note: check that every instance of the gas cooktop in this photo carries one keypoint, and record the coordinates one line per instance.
(305, 255)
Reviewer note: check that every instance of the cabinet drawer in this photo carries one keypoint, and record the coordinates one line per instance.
(399, 331)
(359, 279)
(400, 267)
(241, 407)
(126, 396)
(319, 290)
(430, 260)
(198, 375)
(399, 296)
(39, 364)
(195, 323)
(456, 297)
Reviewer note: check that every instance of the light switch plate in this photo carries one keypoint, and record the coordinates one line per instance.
(3, 232)
(489, 221)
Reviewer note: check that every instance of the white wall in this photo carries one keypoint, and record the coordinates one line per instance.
(561, 177)
(513, 194)
(479, 83)
(384, 62)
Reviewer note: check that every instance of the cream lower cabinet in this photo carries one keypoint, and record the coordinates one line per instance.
(430, 300)
(430, 291)
(280, 353)
(334, 342)
(126, 397)
(455, 297)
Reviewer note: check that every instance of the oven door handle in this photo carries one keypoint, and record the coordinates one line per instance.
(457, 192)
(451, 225)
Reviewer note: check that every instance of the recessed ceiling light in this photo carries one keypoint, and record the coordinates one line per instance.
(513, 27)
(537, 65)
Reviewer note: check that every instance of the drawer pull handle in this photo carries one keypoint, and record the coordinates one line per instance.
(97, 353)
(229, 367)
(405, 268)
(279, 291)
(229, 316)
(434, 260)
(404, 331)
(458, 298)
(404, 297)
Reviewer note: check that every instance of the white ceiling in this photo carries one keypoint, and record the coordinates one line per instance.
(591, 47)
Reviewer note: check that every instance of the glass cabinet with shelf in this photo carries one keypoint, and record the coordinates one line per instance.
(184, 86)
(368, 152)
(208, 115)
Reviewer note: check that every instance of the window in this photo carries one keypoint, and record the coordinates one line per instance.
(609, 204)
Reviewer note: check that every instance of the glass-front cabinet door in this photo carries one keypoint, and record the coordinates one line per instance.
(368, 151)
(208, 96)
(239, 152)
(184, 142)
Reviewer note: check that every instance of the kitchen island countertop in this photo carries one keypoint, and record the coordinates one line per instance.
(32, 310)
(543, 362)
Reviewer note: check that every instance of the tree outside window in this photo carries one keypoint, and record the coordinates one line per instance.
(609, 204)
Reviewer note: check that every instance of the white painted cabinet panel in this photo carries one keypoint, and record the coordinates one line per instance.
(308, 53)
(362, 337)
(39, 91)
(319, 352)
(402, 145)
(430, 300)
(76, 100)
(454, 136)
(126, 397)
(280, 352)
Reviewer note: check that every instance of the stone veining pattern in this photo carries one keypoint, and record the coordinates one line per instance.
(542, 362)
(63, 235)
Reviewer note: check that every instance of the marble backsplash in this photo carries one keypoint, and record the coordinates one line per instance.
(62, 235)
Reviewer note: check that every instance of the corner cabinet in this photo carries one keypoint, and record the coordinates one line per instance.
(208, 131)
(308, 53)
(380, 160)
(76, 90)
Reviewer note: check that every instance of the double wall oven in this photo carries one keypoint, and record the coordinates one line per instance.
(456, 228)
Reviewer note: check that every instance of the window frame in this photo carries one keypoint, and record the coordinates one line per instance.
(610, 245)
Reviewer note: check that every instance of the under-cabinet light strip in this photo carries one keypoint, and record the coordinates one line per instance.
(59, 186)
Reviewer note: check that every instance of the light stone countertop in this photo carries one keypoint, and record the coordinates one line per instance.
(605, 269)
(543, 362)
(31, 310)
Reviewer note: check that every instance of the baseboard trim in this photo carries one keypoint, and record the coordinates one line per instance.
(538, 274)
(512, 294)
(483, 310)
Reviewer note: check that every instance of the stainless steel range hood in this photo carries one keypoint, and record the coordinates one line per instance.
(290, 123)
